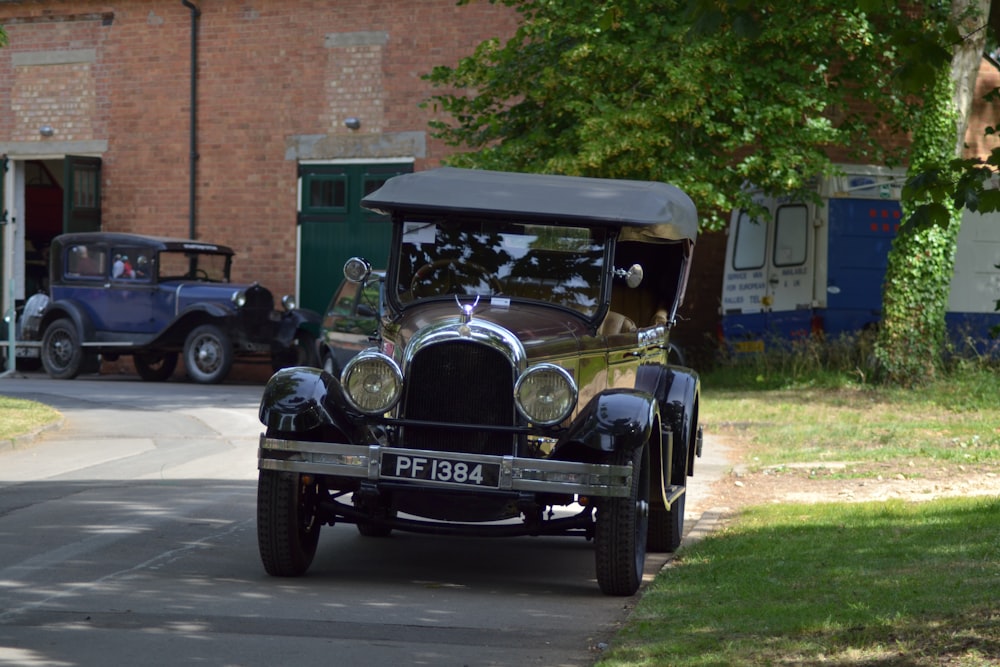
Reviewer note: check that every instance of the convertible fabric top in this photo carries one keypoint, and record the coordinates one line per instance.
(649, 211)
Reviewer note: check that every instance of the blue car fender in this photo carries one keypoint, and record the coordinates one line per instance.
(71, 310)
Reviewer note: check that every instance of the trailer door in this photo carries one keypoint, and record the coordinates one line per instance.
(861, 234)
(768, 282)
(790, 273)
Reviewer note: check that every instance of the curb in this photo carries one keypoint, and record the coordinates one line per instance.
(26, 440)
(710, 521)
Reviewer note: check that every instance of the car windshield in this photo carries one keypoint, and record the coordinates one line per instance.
(555, 264)
(213, 267)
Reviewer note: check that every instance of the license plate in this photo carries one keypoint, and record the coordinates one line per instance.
(749, 347)
(438, 469)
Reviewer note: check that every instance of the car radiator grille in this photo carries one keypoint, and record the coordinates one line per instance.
(465, 383)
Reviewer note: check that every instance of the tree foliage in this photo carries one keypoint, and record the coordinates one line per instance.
(913, 333)
(713, 94)
(922, 258)
(708, 96)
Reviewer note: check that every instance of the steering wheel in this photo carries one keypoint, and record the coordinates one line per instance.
(461, 265)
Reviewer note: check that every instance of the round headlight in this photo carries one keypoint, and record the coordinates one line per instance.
(545, 394)
(372, 382)
(240, 298)
(288, 302)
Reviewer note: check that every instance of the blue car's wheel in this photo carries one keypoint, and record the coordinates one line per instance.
(62, 354)
(208, 354)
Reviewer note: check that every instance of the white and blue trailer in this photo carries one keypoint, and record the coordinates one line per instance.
(817, 268)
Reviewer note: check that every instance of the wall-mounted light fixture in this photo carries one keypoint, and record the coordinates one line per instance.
(46, 131)
(352, 122)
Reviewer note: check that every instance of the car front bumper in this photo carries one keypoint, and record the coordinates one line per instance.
(377, 463)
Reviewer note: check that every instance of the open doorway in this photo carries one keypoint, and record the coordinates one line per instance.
(44, 197)
(43, 219)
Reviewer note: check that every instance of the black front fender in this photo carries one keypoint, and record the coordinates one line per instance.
(617, 419)
(301, 399)
(678, 391)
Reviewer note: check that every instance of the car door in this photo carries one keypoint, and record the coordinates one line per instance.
(84, 276)
(126, 303)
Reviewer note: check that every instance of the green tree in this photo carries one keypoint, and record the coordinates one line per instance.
(922, 260)
(648, 89)
(712, 94)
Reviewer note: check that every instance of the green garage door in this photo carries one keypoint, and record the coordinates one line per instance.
(334, 227)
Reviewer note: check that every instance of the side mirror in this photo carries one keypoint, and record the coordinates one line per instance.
(357, 270)
(633, 277)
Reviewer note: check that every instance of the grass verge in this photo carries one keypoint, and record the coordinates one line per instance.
(954, 421)
(889, 583)
(19, 416)
(865, 584)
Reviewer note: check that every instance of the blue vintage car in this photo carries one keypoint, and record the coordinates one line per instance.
(155, 298)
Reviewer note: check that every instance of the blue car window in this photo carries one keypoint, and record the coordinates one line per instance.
(86, 261)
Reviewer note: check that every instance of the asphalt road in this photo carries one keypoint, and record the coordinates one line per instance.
(127, 535)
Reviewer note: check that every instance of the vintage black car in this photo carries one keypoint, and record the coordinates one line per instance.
(114, 294)
(520, 382)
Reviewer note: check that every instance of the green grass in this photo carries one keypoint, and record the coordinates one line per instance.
(954, 421)
(865, 584)
(860, 584)
(18, 416)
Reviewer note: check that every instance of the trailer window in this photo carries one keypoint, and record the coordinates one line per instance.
(750, 243)
(790, 235)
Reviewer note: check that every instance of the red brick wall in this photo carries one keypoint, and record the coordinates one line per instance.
(268, 72)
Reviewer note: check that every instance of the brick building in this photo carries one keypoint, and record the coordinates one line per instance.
(295, 108)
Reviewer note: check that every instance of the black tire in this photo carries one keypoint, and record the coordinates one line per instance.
(287, 523)
(208, 354)
(62, 354)
(301, 353)
(621, 530)
(666, 527)
(155, 366)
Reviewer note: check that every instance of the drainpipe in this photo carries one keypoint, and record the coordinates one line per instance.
(193, 153)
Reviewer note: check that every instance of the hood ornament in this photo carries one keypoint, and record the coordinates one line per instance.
(467, 310)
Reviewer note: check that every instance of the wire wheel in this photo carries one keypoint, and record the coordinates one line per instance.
(208, 354)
